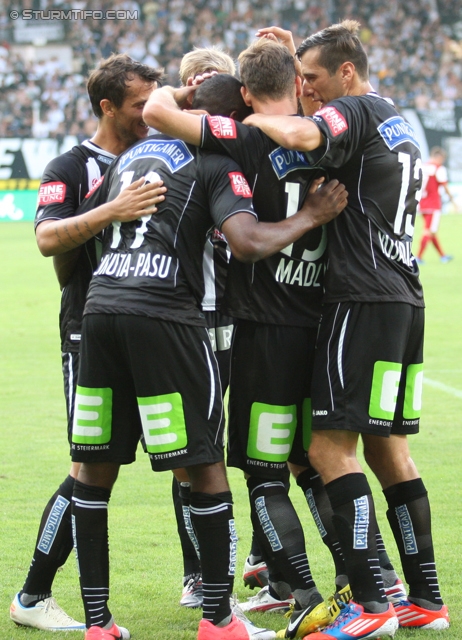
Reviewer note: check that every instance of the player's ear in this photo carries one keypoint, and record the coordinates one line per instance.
(245, 93)
(107, 107)
(347, 71)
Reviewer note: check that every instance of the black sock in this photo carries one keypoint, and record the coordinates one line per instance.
(180, 495)
(280, 533)
(318, 502)
(255, 553)
(89, 511)
(410, 520)
(355, 523)
(212, 516)
(54, 543)
(389, 575)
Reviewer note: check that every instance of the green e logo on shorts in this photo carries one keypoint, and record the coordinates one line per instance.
(413, 393)
(384, 392)
(271, 431)
(92, 416)
(163, 422)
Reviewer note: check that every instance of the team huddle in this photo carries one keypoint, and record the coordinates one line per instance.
(261, 240)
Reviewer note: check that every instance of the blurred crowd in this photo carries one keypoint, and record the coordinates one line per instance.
(414, 48)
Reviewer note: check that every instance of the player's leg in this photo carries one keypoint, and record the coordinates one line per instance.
(220, 329)
(102, 439)
(34, 606)
(341, 404)
(269, 397)
(309, 480)
(212, 515)
(192, 579)
(435, 223)
(409, 509)
(194, 408)
(426, 235)
(257, 570)
(92, 491)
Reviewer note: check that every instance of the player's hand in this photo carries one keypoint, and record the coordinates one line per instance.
(137, 200)
(195, 81)
(184, 96)
(325, 201)
(278, 35)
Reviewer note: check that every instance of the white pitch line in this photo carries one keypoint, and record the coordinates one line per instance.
(443, 387)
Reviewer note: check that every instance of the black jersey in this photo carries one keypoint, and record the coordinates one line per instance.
(215, 268)
(66, 181)
(373, 151)
(154, 266)
(286, 288)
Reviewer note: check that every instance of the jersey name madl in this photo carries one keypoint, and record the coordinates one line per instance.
(306, 270)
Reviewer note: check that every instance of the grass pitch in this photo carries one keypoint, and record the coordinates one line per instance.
(146, 568)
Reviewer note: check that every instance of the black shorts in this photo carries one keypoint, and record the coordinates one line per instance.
(144, 375)
(220, 328)
(70, 364)
(270, 399)
(369, 368)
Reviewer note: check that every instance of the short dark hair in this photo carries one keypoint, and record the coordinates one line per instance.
(109, 80)
(221, 95)
(337, 44)
(267, 69)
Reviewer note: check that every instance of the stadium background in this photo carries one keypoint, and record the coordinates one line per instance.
(414, 48)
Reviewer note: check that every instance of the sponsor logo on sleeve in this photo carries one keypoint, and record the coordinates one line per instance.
(222, 127)
(52, 193)
(395, 131)
(94, 185)
(335, 120)
(239, 184)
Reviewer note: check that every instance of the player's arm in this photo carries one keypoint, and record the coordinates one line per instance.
(278, 35)
(63, 235)
(450, 196)
(300, 134)
(250, 240)
(163, 112)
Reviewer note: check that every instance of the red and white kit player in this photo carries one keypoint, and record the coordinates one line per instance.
(435, 177)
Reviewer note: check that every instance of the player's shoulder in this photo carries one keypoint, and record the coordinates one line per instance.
(73, 161)
(225, 128)
(210, 162)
